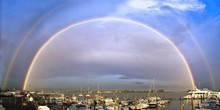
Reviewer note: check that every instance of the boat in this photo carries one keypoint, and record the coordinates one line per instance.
(212, 103)
(155, 101)
(153, 104)
(88, 93)
(198, 94)
(80, 95)
(59, 102)
(111, 107)
(1, 107)
(109, 101)
(74, 98)
(142, 105)
(163, 102)
(81, 92)
(43, 108)
(77, 107)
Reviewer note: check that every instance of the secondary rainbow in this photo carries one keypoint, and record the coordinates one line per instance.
(106, 19)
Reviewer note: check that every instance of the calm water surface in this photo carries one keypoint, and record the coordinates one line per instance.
(175, 103)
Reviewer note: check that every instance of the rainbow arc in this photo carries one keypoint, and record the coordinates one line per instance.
(36, 56)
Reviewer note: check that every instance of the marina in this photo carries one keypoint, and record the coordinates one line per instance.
(106, 100)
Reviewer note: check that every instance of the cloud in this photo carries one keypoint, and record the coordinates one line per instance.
(124, 77)
(158, 6)
(138, 83)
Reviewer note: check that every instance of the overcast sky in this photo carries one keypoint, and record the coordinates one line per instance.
(125, 53)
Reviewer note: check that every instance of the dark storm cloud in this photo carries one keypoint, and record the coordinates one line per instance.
(139, 83)
(82, 70)
(124, 77)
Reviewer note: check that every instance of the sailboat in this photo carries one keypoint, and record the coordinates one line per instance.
(87, 95)
(81, 95)
(155, 100)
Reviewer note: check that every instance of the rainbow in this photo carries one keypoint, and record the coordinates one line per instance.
(106, 19)
(205, 61)
(13, 59)
(202, 55)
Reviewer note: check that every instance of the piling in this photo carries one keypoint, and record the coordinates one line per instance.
(181, 104)
(192, 103)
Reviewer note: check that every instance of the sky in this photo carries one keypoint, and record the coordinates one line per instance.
(114, 54)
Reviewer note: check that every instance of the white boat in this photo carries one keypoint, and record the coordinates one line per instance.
(1, 107)
(212, 103)
(197, 94)
(155, 101)
(59, 102)
(124, 103)
(74, 98)
(87, 95)
(43, 108)
(142, 105)
(163, 102)
(109, 101)
(80, 95)
(153, 104)
(112, 107)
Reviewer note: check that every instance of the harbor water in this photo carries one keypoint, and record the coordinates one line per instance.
(176, 101)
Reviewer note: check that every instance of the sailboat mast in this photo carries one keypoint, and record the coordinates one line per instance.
(98, 88)
(151, 86)
(88, 89)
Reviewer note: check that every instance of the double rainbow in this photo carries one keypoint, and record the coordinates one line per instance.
(25, 84)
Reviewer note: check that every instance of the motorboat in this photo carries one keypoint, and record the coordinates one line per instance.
(198, 94)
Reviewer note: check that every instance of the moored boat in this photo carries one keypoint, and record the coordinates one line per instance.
(198, 94)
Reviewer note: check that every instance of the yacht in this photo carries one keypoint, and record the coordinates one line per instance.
(212, 103)
(198, 94)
